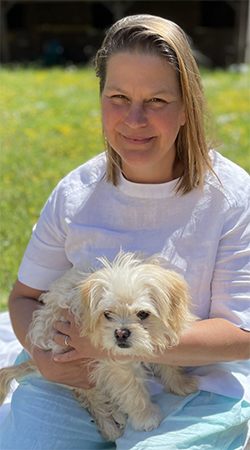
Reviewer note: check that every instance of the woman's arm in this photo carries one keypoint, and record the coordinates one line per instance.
(207, 342)
(23, 302)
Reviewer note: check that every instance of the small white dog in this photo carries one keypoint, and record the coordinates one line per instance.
(130, 307)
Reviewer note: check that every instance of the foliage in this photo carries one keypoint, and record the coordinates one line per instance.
(50, 124)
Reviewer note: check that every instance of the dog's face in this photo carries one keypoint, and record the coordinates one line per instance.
(129, 324)
(132, 309)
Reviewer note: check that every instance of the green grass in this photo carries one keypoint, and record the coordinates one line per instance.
(50, 124)
(228, 96)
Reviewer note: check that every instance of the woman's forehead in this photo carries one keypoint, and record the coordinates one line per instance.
(126, 69)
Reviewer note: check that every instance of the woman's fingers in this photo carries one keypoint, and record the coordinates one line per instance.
(62, 339)
(63, 327)
(66, 314)
(71, 355)
(65, 341)
(67, 335)
(71, 373)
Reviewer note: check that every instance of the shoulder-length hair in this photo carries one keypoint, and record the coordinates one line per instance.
(157, 36)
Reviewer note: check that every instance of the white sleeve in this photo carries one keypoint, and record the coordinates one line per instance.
(45, 259)
(230, 296)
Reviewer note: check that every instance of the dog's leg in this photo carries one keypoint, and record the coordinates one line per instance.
(124, 382)
(108, 418)
(7, 375)
(175, 379)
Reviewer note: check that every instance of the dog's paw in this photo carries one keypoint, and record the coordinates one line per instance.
(148, 420)
(120, 419)
(186, 386)
(113, 427)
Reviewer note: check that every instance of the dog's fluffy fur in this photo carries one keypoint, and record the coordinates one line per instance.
(130, 307)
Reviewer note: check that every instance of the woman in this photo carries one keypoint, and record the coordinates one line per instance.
(160, 189)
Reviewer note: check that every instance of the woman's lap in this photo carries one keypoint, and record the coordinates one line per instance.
(202, 421)
(45, 416)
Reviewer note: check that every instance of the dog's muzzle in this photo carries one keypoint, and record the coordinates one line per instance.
(122, 338)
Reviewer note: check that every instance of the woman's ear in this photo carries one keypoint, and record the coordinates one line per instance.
(183, 117)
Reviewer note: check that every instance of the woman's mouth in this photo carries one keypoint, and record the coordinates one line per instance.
(137, 140)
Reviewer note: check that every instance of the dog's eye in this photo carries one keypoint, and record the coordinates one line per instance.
(142, 315)
(107, 315)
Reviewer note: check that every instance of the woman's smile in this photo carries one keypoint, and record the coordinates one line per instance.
(137, 140)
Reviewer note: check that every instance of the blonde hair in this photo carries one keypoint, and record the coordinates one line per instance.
(157, 36)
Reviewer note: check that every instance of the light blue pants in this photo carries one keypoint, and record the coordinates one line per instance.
(45, 416)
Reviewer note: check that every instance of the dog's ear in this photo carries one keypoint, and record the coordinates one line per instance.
(91, 293)
(171, 296)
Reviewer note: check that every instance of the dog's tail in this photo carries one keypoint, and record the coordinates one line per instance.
(7, 375)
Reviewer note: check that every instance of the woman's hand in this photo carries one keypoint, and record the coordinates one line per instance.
(23, 302)
(74, 373)
(78, 347)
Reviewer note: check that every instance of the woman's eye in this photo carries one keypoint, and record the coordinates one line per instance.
(157, 100)
(118, 97)
(142, 315)
(107, 315)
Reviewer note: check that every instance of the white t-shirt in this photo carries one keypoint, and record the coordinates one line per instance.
(204, 236)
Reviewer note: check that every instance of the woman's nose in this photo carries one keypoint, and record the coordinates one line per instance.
(136, 117)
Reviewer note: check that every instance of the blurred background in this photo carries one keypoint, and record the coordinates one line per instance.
(58, 32)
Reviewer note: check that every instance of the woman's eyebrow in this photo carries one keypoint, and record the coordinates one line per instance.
(114, 88)
(152, 94)
(163, 92)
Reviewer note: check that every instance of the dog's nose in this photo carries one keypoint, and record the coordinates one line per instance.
(122, 335)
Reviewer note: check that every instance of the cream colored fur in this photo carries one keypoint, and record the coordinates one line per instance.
(111, 306)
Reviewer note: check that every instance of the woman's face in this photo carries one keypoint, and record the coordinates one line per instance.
(142, 113)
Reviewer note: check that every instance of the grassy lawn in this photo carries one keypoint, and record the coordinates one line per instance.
(229, 101)
(50, 124)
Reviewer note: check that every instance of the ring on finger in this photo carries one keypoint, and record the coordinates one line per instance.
(66, 341)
